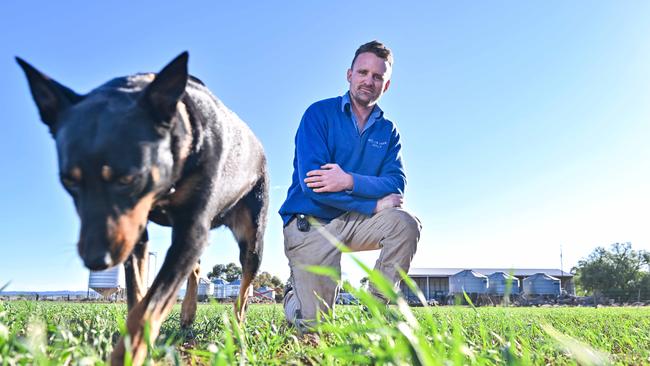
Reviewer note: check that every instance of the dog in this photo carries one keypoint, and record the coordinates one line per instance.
(156, 147)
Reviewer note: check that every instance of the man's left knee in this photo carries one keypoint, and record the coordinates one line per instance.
(410, 223)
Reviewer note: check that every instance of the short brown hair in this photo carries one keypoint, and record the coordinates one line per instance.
(377, 48)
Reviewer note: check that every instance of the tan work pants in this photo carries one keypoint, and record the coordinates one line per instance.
(395, 231)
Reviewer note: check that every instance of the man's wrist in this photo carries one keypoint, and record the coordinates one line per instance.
(350, 184)
(377, 203)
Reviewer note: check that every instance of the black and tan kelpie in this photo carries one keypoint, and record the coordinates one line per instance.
(156, 147)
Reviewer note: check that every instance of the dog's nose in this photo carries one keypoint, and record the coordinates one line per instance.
(99, 263)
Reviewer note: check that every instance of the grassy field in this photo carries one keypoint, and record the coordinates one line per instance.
(50, 333)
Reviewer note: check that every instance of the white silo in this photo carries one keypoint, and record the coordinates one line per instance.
(205, 288)
(468, 281)
(232, 289)
(542, 284)
(220, 286)
(107, 282)
(500, 281)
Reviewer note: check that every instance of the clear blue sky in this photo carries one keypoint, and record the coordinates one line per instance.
(525, 124)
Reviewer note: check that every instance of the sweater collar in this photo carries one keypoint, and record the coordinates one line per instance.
(346, 107)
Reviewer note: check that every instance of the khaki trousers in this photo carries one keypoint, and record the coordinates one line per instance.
(395, 231)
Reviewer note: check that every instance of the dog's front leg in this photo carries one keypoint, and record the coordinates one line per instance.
(188, 309)
(136, 272)
(189, 237)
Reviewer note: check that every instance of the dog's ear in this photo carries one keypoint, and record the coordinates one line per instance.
(50, 97)
(164, 92)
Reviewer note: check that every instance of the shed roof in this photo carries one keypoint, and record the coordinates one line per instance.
(448, 272)
(501, 275)
(468, 273)
(544, 276)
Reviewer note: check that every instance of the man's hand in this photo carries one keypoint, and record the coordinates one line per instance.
(329, 178)
(390, 201)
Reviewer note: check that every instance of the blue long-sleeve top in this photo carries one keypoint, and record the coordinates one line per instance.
(328, 133)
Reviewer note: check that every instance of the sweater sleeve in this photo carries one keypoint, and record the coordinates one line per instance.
(311, 153)
(391, 178)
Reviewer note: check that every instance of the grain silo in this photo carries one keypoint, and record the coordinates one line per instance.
(220, 288)
(501, 281)
(232, 289)
(541, 284)
(205, 288)
(468, 281)
(107, 282)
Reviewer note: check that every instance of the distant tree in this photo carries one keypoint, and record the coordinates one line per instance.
(229, 272)
(619, 273)
(266, 279)
(233, 272)
(276, 282)
(217, 271)
(644, 288)
(279, 290)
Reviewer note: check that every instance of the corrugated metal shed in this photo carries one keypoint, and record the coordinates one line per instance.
(205, 288)
(542, 284)
(518, 272)
(232, 289)
(468, 281)
(220, 286)
(499, 283)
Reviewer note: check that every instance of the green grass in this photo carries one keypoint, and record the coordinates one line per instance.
(48, 333)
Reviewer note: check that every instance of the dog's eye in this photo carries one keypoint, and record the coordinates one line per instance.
(71, 178)
(69, 182)
(126, 180)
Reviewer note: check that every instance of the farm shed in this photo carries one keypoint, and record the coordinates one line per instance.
(205, 288)
(434, 282)
(501, 282)
(542, 284)
(468, 281)
(232, 290)
(219, 288)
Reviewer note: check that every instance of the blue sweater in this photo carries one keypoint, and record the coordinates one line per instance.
(328, 134)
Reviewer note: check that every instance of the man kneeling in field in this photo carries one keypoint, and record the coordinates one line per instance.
(348, 177)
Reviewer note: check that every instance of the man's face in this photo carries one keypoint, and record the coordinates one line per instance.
(369, 78)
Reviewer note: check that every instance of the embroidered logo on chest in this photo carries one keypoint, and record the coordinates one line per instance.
(377, 144)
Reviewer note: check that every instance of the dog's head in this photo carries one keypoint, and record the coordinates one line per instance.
(114, 152)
